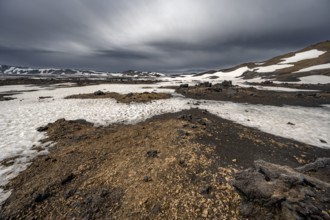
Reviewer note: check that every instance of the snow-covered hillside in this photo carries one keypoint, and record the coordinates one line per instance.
(10, 70)
(312, 62)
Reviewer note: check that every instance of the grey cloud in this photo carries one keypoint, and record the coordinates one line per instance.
(159, 35)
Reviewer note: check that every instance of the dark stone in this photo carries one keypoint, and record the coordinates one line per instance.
(182, 133)
(185, 117)
(206, 190)
(42, 128)
(45, 97)
(152, 154)
(280, 192)
(205, 84)
(184, 85)
(82, 121)
(41, 197)
(227, 83)
(146, 179)
(69, 193)
(99, 92)
(202, 122)
(323, 141)
(267, 82)
(290, 123)
(68, 179)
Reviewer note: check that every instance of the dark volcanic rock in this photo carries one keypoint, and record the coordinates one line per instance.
(185, 117)
(99, 92)
(205, 84)
(271, 191)
(227, 83)
(206, 190)
(152, 153)
(67, 179)
(42, 128)
(41, 197)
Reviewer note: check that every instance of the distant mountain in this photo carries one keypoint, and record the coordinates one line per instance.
(312, 60)
(11, 70)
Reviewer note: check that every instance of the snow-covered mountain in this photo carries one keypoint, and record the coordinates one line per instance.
(10, 70)
(310, 61)
(291, 67)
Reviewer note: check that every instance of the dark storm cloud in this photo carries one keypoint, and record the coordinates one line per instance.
(160, 35)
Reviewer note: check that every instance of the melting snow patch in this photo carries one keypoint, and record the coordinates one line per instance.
(315, 79)
(316, 67)
(272, 68)
(310, 54)
(311, 124)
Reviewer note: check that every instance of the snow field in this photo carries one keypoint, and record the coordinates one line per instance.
(19, 119)
(310, 54)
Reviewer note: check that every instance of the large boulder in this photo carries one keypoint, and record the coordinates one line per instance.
(270, 191)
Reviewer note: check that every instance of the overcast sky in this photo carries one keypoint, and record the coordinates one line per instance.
(156, 35)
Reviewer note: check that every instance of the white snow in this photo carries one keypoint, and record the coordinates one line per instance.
(283, 89)
(316, 67)
(272, 68)
(19, 118)
(310, 54)
(311, 124)
(315, 79)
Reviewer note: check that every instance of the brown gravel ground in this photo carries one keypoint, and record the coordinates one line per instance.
(125, 98)
(252, 95)
(173, 166)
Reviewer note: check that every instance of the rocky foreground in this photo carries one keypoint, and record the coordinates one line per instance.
(226, 91)
(178, 165)
(271, 191)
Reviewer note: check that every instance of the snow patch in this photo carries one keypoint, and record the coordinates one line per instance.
(316, 67)
(272, 68)
(315, 79)
(310, 54)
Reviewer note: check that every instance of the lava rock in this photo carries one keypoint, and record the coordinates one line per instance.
(270, 191)
(41, 197)
(185, 117)
(99, 92)
(202, 122)
(182, 133)
(68, 179)
(146, 179)
(205, 84)
(152, 154)
(206, 190)
(42, 128)
(227, 83)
